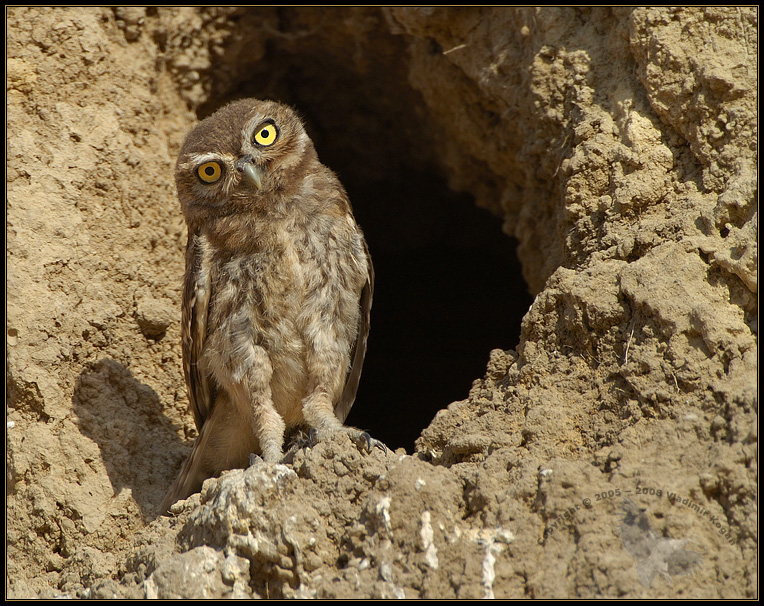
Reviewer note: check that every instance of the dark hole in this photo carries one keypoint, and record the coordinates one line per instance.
(448, 290)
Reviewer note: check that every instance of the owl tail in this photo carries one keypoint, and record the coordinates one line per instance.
(223, 443)
(192, 474)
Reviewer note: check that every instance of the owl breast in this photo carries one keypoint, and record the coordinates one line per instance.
(286, 311)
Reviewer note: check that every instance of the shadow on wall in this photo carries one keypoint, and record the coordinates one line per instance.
(125, 418)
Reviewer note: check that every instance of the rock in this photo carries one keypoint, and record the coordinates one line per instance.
(154, 315)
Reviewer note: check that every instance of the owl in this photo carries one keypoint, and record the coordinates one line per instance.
(277, 290)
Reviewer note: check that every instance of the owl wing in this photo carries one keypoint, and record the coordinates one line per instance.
(358, 351)
(197, 289)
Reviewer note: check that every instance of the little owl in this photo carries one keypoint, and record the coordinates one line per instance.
(277, 289)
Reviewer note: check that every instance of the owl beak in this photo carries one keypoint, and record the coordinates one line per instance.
(251, 173)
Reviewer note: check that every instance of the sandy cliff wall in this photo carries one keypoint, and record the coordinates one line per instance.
(618, 146)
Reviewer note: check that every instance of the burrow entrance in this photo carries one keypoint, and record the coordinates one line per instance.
(448, 282)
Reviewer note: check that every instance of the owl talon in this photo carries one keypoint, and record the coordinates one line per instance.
(361, 437)
(253, 458)
(372, 442)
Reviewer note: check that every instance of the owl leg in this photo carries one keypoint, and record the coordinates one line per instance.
(327, 360)
(318, 412)
(267, 425)
(253, 393)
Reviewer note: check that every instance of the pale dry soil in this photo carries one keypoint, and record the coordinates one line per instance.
(619, 147)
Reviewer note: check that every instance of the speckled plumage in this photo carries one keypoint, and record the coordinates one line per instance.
(277, 290)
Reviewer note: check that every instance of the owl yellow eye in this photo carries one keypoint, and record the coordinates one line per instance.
(209, 172)
(266, 135)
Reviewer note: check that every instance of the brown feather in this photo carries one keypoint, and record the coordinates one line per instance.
(358, 353)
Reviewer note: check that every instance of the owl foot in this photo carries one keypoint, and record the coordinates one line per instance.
(372, 442)
(253, 458)
(359, 437)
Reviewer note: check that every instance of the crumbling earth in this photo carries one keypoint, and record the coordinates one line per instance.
(620, 148)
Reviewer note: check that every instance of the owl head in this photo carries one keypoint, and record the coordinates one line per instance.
(241, 156)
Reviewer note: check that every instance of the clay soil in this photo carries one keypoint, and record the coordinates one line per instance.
(618, 147)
